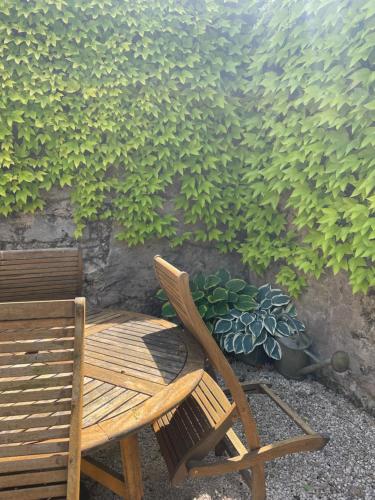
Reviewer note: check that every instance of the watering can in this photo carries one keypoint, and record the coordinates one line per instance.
(297, 360)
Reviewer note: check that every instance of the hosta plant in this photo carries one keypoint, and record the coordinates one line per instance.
(274, 316)
(215, 296)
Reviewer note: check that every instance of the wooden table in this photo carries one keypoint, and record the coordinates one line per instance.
(137, 368)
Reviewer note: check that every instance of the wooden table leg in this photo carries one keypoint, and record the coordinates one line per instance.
(131, 465)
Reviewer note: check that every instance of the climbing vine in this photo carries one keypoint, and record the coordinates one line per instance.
(252, 121)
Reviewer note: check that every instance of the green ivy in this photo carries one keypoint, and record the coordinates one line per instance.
(260, 113)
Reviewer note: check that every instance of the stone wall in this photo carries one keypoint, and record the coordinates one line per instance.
(115, 273)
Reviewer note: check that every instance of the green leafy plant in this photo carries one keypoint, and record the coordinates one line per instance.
(241, 316)
(260, 112)
(215, 295)
(274, 316)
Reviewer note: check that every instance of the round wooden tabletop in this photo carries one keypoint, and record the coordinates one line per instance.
(137, 368)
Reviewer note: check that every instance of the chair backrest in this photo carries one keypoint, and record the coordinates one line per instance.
(53, 274)
(41, 381)
(175, 283)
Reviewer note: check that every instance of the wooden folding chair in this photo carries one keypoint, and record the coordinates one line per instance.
(40, 274)
(41, 377)
(204, 420)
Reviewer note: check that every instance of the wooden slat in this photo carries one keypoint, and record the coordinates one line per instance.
(38, 463)
(130, 404)
(94, 395)
(101, 407)
(36, 333)
(22, 267)
(135, 350)
(29, 478)
(99, 323)
(90, 385)
(40, 435)
(37, 323)
(40, 345)
(126, 381)
(34, 408)
(33, 276)
(34, 449)
(211, 387)
(144, 375)
(26, 383)
(38, 253)
(155, 337)
(34, 422)
(27, 292)
(170, 367)
(58, 490)
(46, 309)
(130, 344)
(35, 395)
(24, 370)
(40, 357)
(117, 404)
(131, 362)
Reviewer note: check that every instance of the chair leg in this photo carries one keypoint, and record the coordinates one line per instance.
(258, 482)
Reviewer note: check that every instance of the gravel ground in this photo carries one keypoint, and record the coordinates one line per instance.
(343, 470)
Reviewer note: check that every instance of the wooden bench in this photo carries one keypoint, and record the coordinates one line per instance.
(203, 422)
(40, 274)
